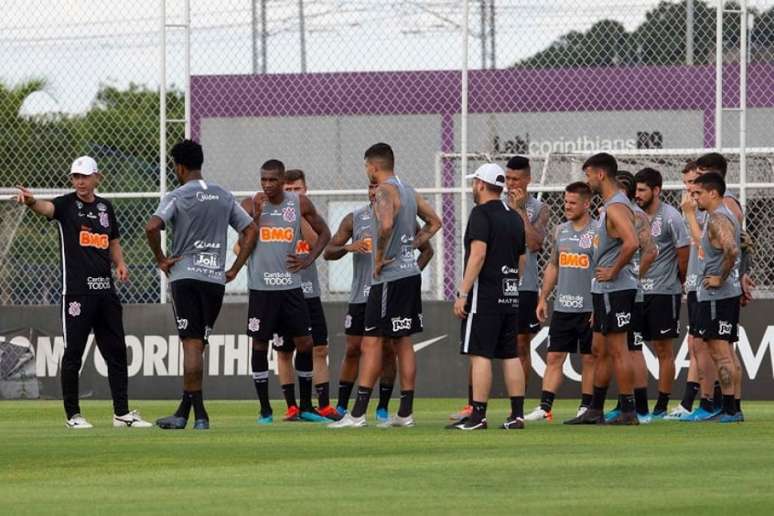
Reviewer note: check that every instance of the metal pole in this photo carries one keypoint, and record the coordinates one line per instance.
(163, 133)
(187, 79)
(264, 36)
(302, 34)
(439, 262)
(482, 4)
(689, 32)
(464, 129)
(743, 49)
(254, 36)
(719, 75)
(492, 54)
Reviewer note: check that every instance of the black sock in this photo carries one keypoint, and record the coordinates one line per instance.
(385, 393)
(289, 391)
(641, 400)
(585, 400)
(717, 396)
(738, 404)
(184, 409)
(627, 402)
(691, 390)
(323, 391)
(470, 395)
(479, 411)
(361, 402)
(197, 401)
(547, 400)
(260, 367)
(707, 405)
(345, 391)
(406, 403)
(662, 403)
(729, 405)
(303, 363)
(517, 406)
(598, 398)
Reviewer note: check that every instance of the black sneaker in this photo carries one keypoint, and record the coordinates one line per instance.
(513, 423)
(625, 418)
(172, 423)
(469, 424)
(590, 417)
(453, 426)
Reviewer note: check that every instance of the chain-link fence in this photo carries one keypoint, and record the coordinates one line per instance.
(315, 82)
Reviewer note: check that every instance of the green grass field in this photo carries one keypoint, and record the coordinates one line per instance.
(303, 468)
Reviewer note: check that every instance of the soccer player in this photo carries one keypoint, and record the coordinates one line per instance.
(662, 283)
(295, 181)
(720, 289)
(89, 241)
(488, 297)
(569, 270)
(613, 288)
(394, 305)
(277, 304)
(200, 213)
(357, 227)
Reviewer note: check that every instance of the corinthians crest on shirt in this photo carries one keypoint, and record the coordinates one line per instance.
(289, 213)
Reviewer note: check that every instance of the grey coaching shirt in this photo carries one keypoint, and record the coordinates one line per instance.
(606, 251)
(279, 231)
(575, 251)
(361, 263)
(712, 259)
(668, 231)
(401, 244)
(200, 213)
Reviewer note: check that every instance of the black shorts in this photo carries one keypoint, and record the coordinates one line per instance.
(718, 319)
(277, 311)
(354, 321)
(634, 338)
(102, 314)
(196, 306)
(528, 321)
(283, 340)
(394, 309)
(661, 317)
(693, 314)
(613, 311)
(490, 335)
(569, 332)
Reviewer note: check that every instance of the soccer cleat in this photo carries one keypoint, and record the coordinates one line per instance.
(78, 422)
(590, 417)
(349, 422)
(313, 417)
(341, 410)
(468, 424)
(265, 420)
(466, 411)
(201, 424)
(292, 414)
(453, 426)
(382, 415)
(513, 423)
(171, 423)
(699, 415)
(658, 416)
(612, 415)
(329, 412)
(581, 410)
(741, 416)
(731, 418)
(625, 419)
(130, 419)
(539, 415)
(397, 421)
(677, 414)
(644, 419)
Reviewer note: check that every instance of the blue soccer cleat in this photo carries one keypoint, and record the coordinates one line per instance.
(341, 410)
(611, 415)
(729, 418)
(201, 424)
(644, 419)
(313, 417)
(658, 416)
(699, 415)
(265, 420)
(382, 415)
(172, 423)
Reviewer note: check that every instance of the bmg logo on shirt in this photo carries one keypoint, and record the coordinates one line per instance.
(277, 234)
(574, 260)
(510, 287)
(89, 239)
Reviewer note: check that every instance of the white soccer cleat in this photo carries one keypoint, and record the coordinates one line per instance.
(539, 415)
(581, 411)
(349, 422)
(78, 422)
(676, 413)
(397, 421)
(130, 419)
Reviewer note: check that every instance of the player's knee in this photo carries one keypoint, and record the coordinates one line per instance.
(321, 352)
(555, 359)
(352, 351)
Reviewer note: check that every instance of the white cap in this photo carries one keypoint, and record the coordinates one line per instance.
(84, 165)
(491, 173)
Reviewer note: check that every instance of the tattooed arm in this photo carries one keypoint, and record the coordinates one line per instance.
(386, 204)
(648, 249)
(721, 236)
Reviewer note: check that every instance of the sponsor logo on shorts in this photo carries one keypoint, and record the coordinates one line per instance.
(510, 287)
(401, 323)
(104, 220)
(664, 332)
(638, 340)
(89, 239)
(74, 309)
(206, 260)
(347, 321)
(421, 320)
(277, 279)
(98, 283)
(207, 331)
(623, 318)
(569, 301)
(277, 234)
(203, 197)
(370, 328)
(253, 324)
(574, 260)
(724, 328)
(182, 324)
(289, 214)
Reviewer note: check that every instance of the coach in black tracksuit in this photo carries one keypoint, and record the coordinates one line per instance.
(88, 237)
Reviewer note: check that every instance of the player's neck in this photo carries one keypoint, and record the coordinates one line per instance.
(88, 198)
(278, 198)
(608, 190)
(193, 175)
(581, 222)
(654, 206)
(385, 175)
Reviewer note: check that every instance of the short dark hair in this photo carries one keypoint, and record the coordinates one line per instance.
(381, 152)
(713, 161)
(518, 163)
(691, 165)
(578, 187)
(189, 154)
(493, 188)
(274, 164)
(712, 181)
(625, 180)
(649, 176)
(294, 174)
(604, 161)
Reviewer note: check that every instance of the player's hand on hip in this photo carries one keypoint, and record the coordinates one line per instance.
(712, 281)
(379, 265)
(459, 307)
(295, 263)
(604, 274)
(166, 263)
(122, 272)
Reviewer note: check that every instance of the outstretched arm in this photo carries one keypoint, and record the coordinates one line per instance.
(45, 208)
